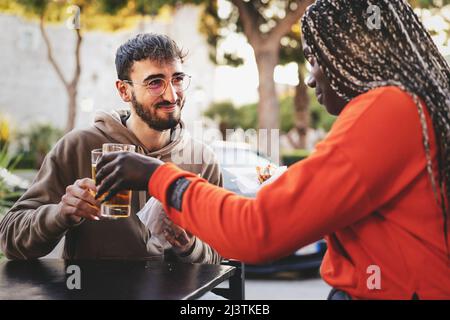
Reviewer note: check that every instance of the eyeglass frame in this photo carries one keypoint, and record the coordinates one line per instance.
(164, 80)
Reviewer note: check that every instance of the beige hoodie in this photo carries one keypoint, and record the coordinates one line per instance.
(33, 227)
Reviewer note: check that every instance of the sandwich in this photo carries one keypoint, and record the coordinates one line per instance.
(264, 173)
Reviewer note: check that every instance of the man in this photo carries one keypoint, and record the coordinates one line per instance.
(60, 201)
(377, 187)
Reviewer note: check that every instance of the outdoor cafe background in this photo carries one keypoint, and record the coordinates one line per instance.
(49, 87)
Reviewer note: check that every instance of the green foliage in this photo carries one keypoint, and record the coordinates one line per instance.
(53, 11)
(94, 15)
(225, 113)
(289, 158)
(429, 3)
(266, 14)
(246, 116)
(35, 6)
(141, 7)
(291, 48)
(112, 6)
(230, 117)
(320, 118)
(216, 27)
(5, 131)
(7, 160)
(8, 193)
(36, 142)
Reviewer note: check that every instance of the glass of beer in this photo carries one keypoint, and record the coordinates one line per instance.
(95, 156)
(118, 206)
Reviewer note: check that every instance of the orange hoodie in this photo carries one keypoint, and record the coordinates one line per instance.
(365, 188)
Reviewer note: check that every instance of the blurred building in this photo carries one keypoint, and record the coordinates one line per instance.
(32, 92)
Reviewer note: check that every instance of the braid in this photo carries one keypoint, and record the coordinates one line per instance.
(401, 52)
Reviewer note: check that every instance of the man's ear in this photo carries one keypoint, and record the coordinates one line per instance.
(124, 93)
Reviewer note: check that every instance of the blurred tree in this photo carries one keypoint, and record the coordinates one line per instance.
(271, 28)
(440, 16)
(246, 116)
(226, 114)
(292, 51)
(142, 8)
(80, 16)
(42, 9)
(37, 141)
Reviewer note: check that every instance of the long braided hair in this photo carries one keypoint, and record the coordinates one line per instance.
(357, 55)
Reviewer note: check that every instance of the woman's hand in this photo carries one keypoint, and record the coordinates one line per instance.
(118, 171)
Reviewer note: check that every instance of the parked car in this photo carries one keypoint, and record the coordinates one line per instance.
(239, 160)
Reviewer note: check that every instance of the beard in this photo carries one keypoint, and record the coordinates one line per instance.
(151, 118)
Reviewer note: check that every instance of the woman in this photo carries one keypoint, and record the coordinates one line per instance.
(377, 188)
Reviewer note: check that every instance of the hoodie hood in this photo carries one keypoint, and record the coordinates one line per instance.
(110, 124)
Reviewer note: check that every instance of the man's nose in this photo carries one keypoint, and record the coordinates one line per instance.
(170, 94)
(310, 81)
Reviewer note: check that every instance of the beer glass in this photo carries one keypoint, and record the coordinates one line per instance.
(95, 156)
(118, 206)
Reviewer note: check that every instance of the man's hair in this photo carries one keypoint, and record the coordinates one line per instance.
(156, 47)
(357, 56)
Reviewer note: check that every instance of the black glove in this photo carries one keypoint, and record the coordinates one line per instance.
(117, 171)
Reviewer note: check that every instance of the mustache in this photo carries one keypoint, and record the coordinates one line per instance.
(166, 103)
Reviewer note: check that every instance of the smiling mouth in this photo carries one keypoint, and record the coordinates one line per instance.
(168, 108)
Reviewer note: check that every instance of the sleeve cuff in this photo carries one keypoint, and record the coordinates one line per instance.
(161, 180)
(65, 222)
(195, 254)
(54, 224)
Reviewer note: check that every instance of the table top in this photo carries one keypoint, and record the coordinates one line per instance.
(108, 279)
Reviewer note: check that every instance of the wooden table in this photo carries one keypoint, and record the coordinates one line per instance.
(109, 279)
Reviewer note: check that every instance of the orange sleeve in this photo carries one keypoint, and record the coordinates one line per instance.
(341, 182)
(286, 215)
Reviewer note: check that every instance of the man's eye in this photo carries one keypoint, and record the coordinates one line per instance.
(155, 84)
(178, 79)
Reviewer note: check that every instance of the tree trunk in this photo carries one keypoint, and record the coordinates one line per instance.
(71, 88)
(268, 106)
(223, 126)
(301, 104)
(72, 108)
(266, 48)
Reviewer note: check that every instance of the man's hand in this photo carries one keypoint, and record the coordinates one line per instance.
(79, 201)
(180, 240)
(118, 171)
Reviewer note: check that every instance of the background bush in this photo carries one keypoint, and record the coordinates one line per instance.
(35, 143)
(230, 116)
(289, 158)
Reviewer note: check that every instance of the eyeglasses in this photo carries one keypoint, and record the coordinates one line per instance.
(156, 87)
